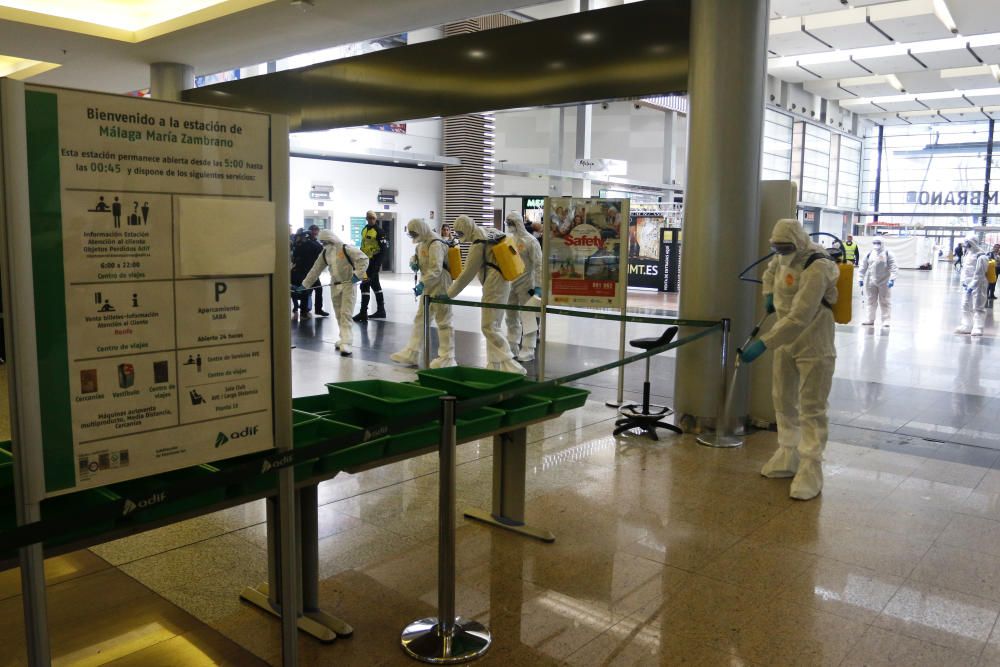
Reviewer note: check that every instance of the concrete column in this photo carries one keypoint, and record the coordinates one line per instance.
(670, 147)
(726, 87)
(167, 80)
(556, 149)
(584, 132)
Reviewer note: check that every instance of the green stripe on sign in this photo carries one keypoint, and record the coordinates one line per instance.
(50, 297)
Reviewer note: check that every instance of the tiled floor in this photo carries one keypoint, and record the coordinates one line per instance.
(666, 553)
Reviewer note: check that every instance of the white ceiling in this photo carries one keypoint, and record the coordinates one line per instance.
(892, 60)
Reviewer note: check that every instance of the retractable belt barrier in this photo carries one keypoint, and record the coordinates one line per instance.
(270, 461)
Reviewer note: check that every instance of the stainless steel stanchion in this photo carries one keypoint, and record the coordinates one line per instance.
(722, 437)
(425, 360)
(446, 639)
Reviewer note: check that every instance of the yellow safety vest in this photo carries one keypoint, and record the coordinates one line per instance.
(850, 251)
(369, 241)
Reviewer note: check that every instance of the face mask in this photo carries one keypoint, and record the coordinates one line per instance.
(413, 236)
(877, 247)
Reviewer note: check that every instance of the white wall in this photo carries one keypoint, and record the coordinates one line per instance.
(355, 191)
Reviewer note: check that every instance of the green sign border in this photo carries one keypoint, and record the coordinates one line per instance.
(44, 196)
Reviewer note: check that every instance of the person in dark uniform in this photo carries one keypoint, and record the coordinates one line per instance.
(307, 254)
(373, 245)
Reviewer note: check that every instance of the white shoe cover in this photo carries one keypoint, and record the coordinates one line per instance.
(512, 366)
(443, 362)
(808, 481)
(977, 331)
(525, 355)
(405, 357)
(868, 324)
(963, 329)
(784, 463)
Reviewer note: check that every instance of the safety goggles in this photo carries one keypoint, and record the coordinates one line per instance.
(783, 248)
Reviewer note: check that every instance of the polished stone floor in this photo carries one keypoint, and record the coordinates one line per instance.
(666, 552)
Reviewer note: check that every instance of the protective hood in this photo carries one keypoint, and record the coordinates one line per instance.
(421, 229)
(327, 236)
(515, 223)
(788, 230)
(972, 244)
(468, 229)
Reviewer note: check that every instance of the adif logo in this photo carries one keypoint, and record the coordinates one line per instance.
(270, 465)
(247, 431)
(131, 506)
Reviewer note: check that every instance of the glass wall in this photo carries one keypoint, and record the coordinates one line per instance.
(932, 175)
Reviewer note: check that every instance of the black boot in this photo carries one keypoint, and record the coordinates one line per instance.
(362, 315)
(380, 303)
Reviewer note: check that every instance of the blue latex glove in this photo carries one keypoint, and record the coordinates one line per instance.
(535, 291)
(861, 283)
(968, 290)
(414, 265)
(769, 303)
(298, 288)
(754, 350)
(355, 280)
(891, 283)
(418, 289)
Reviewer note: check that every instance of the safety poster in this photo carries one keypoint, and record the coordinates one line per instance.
(586, 265)
(150, 224)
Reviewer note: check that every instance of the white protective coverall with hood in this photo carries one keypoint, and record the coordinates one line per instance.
(974, 286)
(523, 289)
(878, 273)
(431, 252)
(345, 262)
(495, 290)
(804, 357)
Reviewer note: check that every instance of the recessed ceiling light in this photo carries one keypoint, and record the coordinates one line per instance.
(587, 37)
(478, 54)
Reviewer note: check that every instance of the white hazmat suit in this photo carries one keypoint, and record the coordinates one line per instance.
(430, 256)
(495, 290)
(804, 357)
(345, 263)
(974, 286)
(878, 274)
(522, 330)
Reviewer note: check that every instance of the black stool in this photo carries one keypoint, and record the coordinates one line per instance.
(646, 416)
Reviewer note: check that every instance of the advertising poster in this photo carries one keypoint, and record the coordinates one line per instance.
(644, 250)
(586, 251)
(143, 368)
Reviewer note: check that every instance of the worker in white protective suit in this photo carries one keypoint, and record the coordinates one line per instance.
(347, 266)
(800, 285)
(878, 275)
(429, 261)
(974, 286)
(522, 327)
(481, 263)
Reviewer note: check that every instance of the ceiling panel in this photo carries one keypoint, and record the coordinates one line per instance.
(891, 64)
(803, 7)
(986, 100)
(846, 29)
(924, 82)
(792, 73)
(786, 38)
(902, 105)
(829, 89)
(909, 21)
(947, 102)
(975, 17)
(890, 120)
(861, 107)
(992, 112)
(970, 78)
(839, 70)
(946, 59)
(962, 115)
(870, 86)
(989, 54)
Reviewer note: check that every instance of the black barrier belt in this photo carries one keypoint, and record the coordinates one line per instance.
(576, 313)
(270, 461)
(491, 399)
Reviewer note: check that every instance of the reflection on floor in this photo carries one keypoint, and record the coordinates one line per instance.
(666, 553)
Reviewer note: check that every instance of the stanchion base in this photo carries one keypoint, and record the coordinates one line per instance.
(614, 404)
(423, 640)
(528, 531)
(318, 624)
(722, 441)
